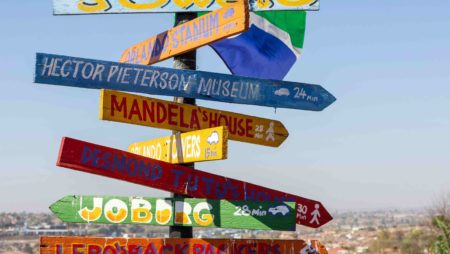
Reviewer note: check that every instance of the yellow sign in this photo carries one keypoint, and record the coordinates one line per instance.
(69, 7)
(213, 26)
(134, 109)
(202, 145)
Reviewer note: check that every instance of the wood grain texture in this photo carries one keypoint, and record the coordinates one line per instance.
(70, 7)
(176, 212)
(96, 74)
(134, 109)
(194, 146)
(109, 162)
(208, 28)
(97, 245)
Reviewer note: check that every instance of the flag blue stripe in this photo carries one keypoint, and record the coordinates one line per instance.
(256, 53)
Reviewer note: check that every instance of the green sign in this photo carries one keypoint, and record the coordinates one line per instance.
(177, 212)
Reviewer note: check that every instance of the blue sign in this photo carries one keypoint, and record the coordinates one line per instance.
(96, 74)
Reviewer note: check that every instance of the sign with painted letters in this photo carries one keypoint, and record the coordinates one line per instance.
(98, 245)
(213, 26)
(140, 110)
(67, 7)
(195, 146)
(94, 74)
(109, 162)
(176, 212)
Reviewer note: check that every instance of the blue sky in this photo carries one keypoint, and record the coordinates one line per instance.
(383, 144)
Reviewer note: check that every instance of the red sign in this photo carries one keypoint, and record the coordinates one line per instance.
(114, 163)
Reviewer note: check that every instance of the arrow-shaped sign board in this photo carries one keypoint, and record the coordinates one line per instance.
(95, 74)
(140, 110)
(194, 146)
(176, 212)
(109, 162)
(94, 245)
(67, 7)
(208, 28)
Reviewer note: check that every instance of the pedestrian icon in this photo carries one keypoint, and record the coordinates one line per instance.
(270, 131)
(315, 214)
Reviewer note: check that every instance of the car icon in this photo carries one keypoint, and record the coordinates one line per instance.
(279, 209)
(282, 92)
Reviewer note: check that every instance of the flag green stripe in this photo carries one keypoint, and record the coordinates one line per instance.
(292, 22)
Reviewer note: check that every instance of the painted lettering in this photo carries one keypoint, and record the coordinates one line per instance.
(46, 66)
(140, 209)
(115, 210)
(92, 214)
(204, 219)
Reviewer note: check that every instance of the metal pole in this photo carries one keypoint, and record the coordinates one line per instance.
(184, 61)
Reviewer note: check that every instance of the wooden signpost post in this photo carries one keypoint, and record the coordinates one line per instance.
(140, 110)
(195, 146)
(213, 26)
(95, 74)
(109, 162)
(185, 61)
(176, 212)
(98, 245)
(68, 7)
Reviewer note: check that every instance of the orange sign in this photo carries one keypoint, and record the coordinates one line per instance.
(89, 245)
(224, 22)
(135, 109)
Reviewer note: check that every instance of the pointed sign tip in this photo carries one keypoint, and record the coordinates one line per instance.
(329, 99)
(52, 207)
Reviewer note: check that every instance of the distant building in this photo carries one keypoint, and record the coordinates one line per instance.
(45, 229)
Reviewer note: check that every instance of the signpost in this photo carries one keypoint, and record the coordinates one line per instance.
(213, 26)
(67, 7)
(109, 162)
(202, 145)
(93, 245)
(140, 110)
(217, 201)
(95, 74)
(176, 212)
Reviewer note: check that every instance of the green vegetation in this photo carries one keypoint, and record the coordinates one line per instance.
(441, 245)
(413, 242)
(434, 239)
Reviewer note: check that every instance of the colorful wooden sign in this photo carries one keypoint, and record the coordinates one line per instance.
(109, 162)
(176, 212)
(67, 7)
(88, 73)
(135, 109)
(97, 245)
(213, 26)
(195, 146)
